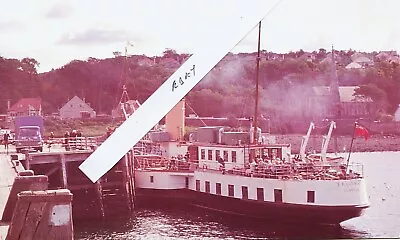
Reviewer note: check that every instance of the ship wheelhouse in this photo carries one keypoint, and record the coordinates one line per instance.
(211, 156)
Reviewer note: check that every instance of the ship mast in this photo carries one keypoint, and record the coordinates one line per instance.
(334, 88)
(257, 81)
(125, 97)
(125, 76)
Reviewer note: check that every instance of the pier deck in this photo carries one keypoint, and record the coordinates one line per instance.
(112, 195)
(7, 175)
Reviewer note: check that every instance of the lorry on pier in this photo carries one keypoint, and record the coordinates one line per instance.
(29, 132)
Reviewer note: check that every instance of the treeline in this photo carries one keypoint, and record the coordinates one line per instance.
(228, 89)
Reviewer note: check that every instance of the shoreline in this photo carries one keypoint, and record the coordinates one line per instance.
(375, 143)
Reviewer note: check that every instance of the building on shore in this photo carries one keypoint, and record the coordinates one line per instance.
(350, 106)
(76, 108)
(26, 107)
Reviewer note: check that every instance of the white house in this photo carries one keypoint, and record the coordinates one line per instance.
(77, 108)
(362, 59)
(354, 65)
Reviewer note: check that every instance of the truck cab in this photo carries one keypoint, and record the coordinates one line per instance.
(29, 137)
(29, 133)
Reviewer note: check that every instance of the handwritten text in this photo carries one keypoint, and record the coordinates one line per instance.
(182, 79)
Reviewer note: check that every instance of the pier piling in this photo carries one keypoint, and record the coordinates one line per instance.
(111, 196)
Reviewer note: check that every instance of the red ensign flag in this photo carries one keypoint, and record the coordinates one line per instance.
(360, 131)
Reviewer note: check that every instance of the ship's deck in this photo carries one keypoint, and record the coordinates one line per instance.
(296, 171)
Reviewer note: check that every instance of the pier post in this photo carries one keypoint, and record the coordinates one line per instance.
(64, 171)
(42, 215)
(131, 164)
(126, 180)
(99, 191)
(28, 159)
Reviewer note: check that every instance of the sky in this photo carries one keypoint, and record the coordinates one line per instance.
(57, 32)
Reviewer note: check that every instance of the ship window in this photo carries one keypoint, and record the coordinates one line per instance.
(245, 193)
(280, 153)
(260, 194)
(265, 152)
(217, 154)
(218, 188)
(210, 153)
(207, 187)
(225, 156)
(231, 190)
(278, 195)
(274, 153)
(233, 156)
(310, 196)
(203, 154)
(197, 185)
(151, 179)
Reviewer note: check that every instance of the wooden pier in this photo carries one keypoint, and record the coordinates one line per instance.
(110, 196)
(7, 175)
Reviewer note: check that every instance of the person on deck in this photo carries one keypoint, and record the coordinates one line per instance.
(253, 166)
(5, 139)
(187, 157)
(50, 140)
(73, 133)
(66, 136)
(222, 162)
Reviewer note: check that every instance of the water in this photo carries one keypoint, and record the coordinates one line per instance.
(381, 220)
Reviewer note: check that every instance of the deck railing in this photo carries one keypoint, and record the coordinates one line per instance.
(298, 171)
(73, 143)
(164, 164)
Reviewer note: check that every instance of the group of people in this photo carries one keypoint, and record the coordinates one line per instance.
(179, 161)
(265, 161)
(73, 134)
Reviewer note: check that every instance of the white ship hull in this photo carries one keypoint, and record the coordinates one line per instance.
(300, 201)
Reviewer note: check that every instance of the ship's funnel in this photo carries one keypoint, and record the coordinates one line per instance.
(175, 121)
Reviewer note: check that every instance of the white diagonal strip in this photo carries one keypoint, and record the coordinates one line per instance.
(224, 37)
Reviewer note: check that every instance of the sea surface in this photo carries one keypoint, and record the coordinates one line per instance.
(381, 219)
